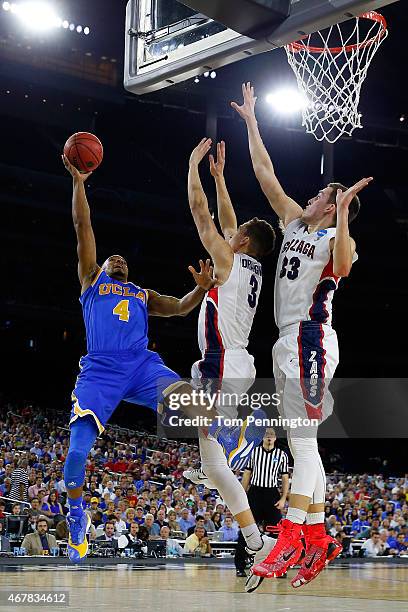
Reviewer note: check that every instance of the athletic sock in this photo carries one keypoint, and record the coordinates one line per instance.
(314, 518)
(75, 506)
(295, 515)
(252, 537)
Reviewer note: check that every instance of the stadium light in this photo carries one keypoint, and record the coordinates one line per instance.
(287, 101)
(38, 16)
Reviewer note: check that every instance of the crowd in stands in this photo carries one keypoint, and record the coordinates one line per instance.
(134, 486)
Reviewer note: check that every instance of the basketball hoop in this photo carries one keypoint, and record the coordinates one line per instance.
(330, 68)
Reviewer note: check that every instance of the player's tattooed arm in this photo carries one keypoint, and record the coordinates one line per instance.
(167, 306)
(286, 208)
(81, 216)
(226, 213)
(220, 251)
(343, 246)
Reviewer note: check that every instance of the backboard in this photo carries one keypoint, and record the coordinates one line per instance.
(167, 42)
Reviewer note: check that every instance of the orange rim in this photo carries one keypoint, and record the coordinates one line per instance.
(297, 47)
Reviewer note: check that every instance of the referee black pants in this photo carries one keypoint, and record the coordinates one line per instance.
(262, 502)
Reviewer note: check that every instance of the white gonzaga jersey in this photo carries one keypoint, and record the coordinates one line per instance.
(305, 282)
(227, 312)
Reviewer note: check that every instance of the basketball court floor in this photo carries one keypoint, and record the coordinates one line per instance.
(346, 588)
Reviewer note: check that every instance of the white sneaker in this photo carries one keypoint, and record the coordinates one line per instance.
(197, 476)
(253, 581)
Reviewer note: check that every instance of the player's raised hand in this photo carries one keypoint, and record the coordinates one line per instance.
(204, 278)
(217, 167)
(74, 172)
(344, 198)
(201, 150)
(247, 109)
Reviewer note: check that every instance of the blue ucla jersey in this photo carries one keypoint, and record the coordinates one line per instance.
(115, 315)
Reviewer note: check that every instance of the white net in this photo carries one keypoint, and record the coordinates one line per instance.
(330, 68)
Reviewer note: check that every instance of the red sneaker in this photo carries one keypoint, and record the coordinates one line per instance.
(286, 552)
(320, 550)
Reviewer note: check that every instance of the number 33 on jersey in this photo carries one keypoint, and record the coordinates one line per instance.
(305, 282)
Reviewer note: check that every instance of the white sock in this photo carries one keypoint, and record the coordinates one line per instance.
(315, 518)
(296, 516)
(252, 537)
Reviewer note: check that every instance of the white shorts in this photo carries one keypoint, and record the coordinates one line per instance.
(231, 372)
(305, 359)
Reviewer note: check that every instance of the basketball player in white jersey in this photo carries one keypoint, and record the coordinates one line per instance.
(317, 251)
(224, 325)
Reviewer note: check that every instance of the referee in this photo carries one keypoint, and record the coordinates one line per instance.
(266, 467)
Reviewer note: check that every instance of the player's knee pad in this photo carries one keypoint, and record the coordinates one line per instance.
(74, 469)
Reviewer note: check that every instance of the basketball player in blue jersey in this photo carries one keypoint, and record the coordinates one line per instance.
(118, 365)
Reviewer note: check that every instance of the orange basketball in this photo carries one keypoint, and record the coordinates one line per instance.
(84, 151)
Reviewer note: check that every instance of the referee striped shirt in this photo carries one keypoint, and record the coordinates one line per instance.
(19, 477)
(267, 466)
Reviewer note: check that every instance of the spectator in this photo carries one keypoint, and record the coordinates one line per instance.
(16, 509)
(19, 481)
(230, 533)
(161, 518)
(402, 545)
(384, 538)
(61, 530)
(39, 542)
(152, 528)
(374, 547)
(208, 524)
(365, 533)
(198, 542)
(108, 536)
(33, 489)
(199, 523)
(94, 505)
(2, 509)
(120, 524)
(139, 517)
(358, 524)
(133, 535)
(110, 509)
(56, 511)
(130, 516)
(4, 541)
(97, 518)
(216, 519)
(143, 533)
(173, 548)
(185, 520)
(331, 525)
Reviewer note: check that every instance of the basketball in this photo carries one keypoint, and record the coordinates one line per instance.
(84, 151)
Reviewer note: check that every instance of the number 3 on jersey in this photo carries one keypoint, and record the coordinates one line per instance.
(122, 310)
(252, 297)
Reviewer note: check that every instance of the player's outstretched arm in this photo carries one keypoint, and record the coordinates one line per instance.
(226, 213)
(220, 251)
(343, 246)
(286, 208)
(167, 306)
(81, 216)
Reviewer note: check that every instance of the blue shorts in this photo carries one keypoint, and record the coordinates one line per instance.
(106, 379)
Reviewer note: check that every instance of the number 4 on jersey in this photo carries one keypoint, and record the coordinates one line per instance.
(122, 310)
